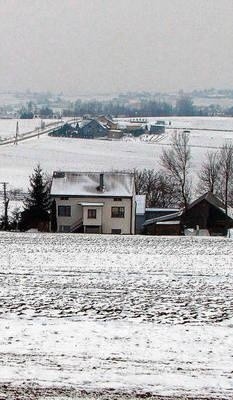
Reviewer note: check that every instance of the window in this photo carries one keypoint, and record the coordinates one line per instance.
(64, 228)
(64, 211)
(91, 213)
(92, 229)
(118, 212)
(116, 231)
(64, 198)
(117, 199)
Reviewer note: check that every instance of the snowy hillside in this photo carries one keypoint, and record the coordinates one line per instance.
(17, 162)
(8, 126)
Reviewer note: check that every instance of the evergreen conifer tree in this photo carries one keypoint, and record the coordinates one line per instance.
(37, 203)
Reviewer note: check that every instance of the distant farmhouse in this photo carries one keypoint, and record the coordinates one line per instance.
(87, 128)
(94, 202)
(91, 128)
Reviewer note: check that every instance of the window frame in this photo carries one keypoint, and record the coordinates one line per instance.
(116, 231)
(66, 211)
(120, 213)
(90, 211)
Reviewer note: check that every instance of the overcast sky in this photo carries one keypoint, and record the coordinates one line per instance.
(97, 46)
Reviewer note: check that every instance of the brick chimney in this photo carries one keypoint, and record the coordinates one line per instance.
(101, 187)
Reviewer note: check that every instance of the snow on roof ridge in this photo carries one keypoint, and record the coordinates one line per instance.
(167, 217)
(93, 172)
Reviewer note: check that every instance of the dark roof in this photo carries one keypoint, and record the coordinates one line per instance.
(210, 198)
(86, 122)
(169, 217)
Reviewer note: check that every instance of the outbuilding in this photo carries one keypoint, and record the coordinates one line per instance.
(206, 214)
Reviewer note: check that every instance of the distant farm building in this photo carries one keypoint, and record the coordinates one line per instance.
(67, 130)
(107, 122)
(158, 128)
(115, 134)
(91, 128)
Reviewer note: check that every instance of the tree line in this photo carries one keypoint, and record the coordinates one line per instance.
(184, 106)
(171, 185)
(121, 106)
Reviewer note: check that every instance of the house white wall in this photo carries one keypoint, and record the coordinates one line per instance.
(126, 224)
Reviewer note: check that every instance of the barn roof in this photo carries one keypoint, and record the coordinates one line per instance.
(86, 122)
(211, 199)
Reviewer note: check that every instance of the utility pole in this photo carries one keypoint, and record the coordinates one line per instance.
(17, 132)
(6, 202)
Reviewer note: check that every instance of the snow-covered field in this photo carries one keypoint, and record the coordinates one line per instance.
(111, 314)
(8, 126)
(17, 162)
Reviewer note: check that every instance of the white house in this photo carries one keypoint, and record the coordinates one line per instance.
(94, 202)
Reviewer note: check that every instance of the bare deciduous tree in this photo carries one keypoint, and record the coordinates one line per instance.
(166, 193)
(176, 162)
(209, 173)
(159, 189)
(226, 175)
(145, 183)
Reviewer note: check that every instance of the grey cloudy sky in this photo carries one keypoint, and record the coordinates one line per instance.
(90, 46)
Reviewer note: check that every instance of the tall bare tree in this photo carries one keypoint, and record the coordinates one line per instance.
(176, 162)
(226, 174)
(145, 181)
(209, 173)
(159, 189)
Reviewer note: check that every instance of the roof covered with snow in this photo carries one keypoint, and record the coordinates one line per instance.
(169, 217)
(86, 184)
